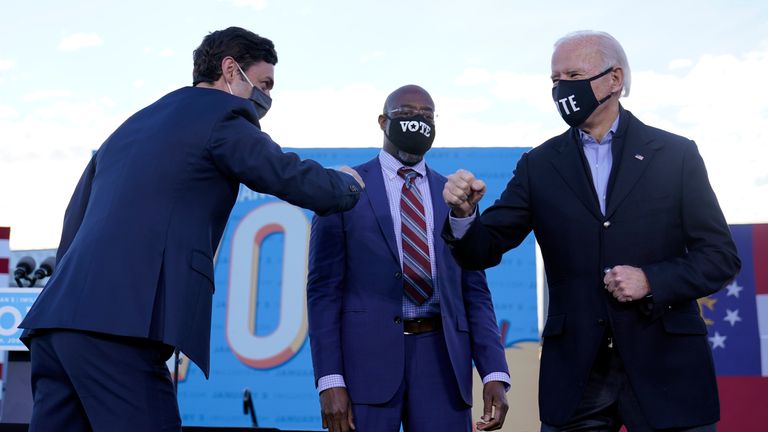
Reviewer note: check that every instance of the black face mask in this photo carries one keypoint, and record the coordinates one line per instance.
(261, 101)
(575, 99)
(412, 135)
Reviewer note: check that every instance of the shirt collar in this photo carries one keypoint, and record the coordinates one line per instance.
(390, 165)
(588, 139)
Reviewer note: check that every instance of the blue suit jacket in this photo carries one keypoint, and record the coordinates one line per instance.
(355, 296)
(662, 216)
(145, 220)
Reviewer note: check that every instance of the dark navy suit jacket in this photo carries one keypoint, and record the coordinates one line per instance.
(355, 296)
(661, 216)
(145, 220)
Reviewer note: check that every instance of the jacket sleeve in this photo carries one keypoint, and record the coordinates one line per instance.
(246, 154)
(500, 228)
(325, 279)
(485, 338)
(75, 212)
(710, 261)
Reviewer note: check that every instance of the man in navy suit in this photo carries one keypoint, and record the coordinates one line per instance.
(631, 235)
(135, 270)
(394, 323)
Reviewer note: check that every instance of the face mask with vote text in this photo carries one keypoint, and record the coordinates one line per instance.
(575, 99)
(413, 135)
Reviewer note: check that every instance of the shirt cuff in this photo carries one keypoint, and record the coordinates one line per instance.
(330, 381)
(498, 376)
(459, 226)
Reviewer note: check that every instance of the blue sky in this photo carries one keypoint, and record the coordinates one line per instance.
(71, 72)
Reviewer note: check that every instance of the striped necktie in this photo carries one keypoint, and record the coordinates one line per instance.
(417, 269)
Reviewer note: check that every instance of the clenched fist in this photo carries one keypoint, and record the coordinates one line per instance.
(462, 192)
(626, 283)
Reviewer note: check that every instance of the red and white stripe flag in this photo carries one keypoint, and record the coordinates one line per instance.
(5, 255)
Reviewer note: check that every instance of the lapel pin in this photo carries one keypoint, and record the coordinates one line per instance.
(639, 157)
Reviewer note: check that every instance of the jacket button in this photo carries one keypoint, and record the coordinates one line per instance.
(353, 188)
(398, 320)
(600, 322)
(606, 224)
(398, 275)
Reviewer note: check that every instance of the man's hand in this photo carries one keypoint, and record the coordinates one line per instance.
(462, 192)
(336, 410)
(626, 283)
(494, 406)
(353, 173)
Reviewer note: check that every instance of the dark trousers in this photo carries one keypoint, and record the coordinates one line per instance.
(428, 399)
(84, 381)
(609, 402)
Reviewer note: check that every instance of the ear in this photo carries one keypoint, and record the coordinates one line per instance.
(228, 68)
(617, 79)
(382, 121)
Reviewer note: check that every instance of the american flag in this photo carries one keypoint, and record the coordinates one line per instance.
(737, 320)
(5, 256)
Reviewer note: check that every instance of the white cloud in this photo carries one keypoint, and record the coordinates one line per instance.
(139, 83)
(46, 94)
(78, 41)
(166, 52)
(532, 91)
(253, 4)
(716, 104)
(451, 108)
(7, 112)
(344, 117)
(474, 76)
(7, 64)
(47, 150)
(682, 63)
(368, 57)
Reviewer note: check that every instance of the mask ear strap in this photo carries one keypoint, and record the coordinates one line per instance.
(603, 73)
(244, 75)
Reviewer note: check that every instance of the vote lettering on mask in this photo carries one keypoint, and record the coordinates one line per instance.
(576, 100)
(413, 135)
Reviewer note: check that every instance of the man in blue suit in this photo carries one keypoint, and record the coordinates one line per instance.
(394, 323)
(631, 235)
(135, 270)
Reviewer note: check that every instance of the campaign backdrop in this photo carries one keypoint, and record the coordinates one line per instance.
(737, 319)
(259, 332)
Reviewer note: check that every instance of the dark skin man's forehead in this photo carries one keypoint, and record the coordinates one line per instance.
(411, 97)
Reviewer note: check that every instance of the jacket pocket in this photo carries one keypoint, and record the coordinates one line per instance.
(462, 324)
(555, 326)
(684, 323)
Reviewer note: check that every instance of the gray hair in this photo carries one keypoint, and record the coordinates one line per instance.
(609, 48)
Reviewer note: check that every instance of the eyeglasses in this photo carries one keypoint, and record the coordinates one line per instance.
(410, 112)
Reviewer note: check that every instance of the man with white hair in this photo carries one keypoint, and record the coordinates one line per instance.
(631, 234)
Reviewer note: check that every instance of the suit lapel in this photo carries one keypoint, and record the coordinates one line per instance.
(569, 164)
(377, 197)
(636, 154)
